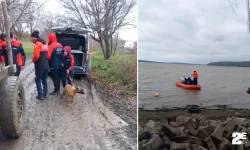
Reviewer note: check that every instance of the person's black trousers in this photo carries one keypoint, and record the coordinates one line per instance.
(41, 82)
(64, 77)
(55, 73)
(195, 81)
(18, 70)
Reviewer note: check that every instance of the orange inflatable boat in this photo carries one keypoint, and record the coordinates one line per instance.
(189, 87)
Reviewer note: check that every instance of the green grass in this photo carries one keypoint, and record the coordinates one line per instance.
(28, 47)
(120, 70)
(28, 50)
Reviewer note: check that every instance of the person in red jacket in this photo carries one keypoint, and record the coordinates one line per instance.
(40, 60)
(2, 40)
(195, 76)
(68, 62)
(55, 55)
(17, 49)
(18, 54)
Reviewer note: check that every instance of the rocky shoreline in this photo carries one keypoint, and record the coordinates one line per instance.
(194, 132)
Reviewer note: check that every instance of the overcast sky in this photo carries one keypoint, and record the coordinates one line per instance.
(54, 6)
(193, 31)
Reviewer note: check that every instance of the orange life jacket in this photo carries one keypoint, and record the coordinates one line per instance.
(195, 75)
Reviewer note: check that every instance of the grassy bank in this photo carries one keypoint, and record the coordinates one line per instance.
(28, 51)
(28, 47)
(216, 114)
(120, 72)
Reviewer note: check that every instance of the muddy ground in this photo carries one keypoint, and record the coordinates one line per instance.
(170, 115)
(95, 121)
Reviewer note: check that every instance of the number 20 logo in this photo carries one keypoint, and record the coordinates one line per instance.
(238, 137)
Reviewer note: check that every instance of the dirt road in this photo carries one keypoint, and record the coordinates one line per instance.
(88, 124)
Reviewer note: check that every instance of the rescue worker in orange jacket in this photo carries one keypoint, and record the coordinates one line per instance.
(17, 53)
(2, 40)
(195, 76)
(54, 56)
(68, 62)
(19, 56)
(40, 60)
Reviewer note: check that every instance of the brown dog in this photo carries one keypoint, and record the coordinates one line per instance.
(71, 91)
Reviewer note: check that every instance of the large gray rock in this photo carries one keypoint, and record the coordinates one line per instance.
(174, 124)
(231, 124)
(202, 133)
(240, 147)
(248, 133)
(145, 146)
(240, 121)
(225, 144)
(155, 142)
(197, 116)
(218, 133)
(247, 144)
(210, 143)
(166, 143)
(197, 147)
(140, 129)
(175, 134)
(143, 142)
(211, 125)
(183, 120)
(152, 127)
(180, 146)
(240, 129)
(150, 123)
(144, 136)
(196, 140)
(191, 130)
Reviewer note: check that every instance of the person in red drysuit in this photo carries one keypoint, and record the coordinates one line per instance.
(67, 66)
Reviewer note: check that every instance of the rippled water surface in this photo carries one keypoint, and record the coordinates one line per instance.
(220, 86)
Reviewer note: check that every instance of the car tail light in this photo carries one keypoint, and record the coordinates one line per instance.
(87, 58)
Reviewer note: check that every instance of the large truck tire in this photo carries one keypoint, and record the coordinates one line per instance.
(12, 100)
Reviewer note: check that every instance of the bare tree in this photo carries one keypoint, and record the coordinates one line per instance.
(33, 17)
(7, 27)
(19, 28)
(232, 4)
(18, 10)
(1, 20)
(49, 21)
(104, 17)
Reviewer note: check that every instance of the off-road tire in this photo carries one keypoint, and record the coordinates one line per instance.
(12, 102)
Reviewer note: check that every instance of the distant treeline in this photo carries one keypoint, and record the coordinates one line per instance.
(230, 64)
(168, 62)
